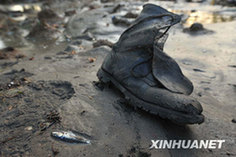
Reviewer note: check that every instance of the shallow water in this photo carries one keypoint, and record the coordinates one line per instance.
(204, 17)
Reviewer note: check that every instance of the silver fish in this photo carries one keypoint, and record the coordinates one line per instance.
(69, 136)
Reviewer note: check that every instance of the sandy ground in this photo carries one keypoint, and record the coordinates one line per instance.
(62, 84)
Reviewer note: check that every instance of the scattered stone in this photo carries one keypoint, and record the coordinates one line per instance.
(232, 66)
(78, 42)
(91, 59)
(87, 36)
(69, 48)
(121, 21)
(116, 8)
(8, 64)
(197, 28)
(47, 14)
(61, 53)
(233, 120)
(99, 85)
(106, 1)
(198, 70)
(29, 128)
(10, 52)
(70, 12)
(230, 3)
(99, 43)
(47, 57)
(130, 15)
(14, 79)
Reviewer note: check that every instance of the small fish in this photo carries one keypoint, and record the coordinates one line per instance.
(70, 137)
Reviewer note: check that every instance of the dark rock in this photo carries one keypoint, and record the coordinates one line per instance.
(233, 120)
(116, 8)
(78, 42)
(99, 43)
(88, 36)
(70, 12)
(69, 49)
(196, 27)
(130, 15)
(120, 21)
(198, 70)
(47, 14)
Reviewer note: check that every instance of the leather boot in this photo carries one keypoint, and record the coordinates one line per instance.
(146, 75)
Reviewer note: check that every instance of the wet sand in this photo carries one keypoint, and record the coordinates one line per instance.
(63, 82)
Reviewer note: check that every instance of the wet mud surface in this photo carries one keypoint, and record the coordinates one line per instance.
(54, 87)
(27, 109)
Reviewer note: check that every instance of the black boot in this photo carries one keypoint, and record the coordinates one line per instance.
(147, 76)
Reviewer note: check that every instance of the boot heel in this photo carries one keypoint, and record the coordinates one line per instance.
(103, 77)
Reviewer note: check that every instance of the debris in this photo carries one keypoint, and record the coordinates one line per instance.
(73, 52)
(99, 43)
(69, 136)
(31, 58)
(54, 117)
(91, 59)
(29, 128)
(51, 118)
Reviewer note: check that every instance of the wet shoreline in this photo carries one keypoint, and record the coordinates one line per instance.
(51, 86)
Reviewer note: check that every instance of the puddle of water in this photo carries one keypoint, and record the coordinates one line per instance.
(204, 17)
(24, 10)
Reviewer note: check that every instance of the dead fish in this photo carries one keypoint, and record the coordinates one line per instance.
(69, 136)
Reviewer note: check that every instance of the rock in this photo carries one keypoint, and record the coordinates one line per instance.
(47, 14)
(103, 42)
(196, 27)
(87, 36)
(70, 12)
(120, 21)
(130, 15)
(233, 120)
(10, 52)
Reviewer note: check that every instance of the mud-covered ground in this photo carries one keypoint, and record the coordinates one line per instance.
(50, 52)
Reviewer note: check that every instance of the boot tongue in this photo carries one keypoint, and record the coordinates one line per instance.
(168, 72)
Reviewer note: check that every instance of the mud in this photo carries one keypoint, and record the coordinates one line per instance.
(27, 110)
(56, 90)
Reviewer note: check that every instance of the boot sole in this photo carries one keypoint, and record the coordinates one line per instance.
(174, 116)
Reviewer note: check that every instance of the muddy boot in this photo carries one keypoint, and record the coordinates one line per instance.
(148, 77)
